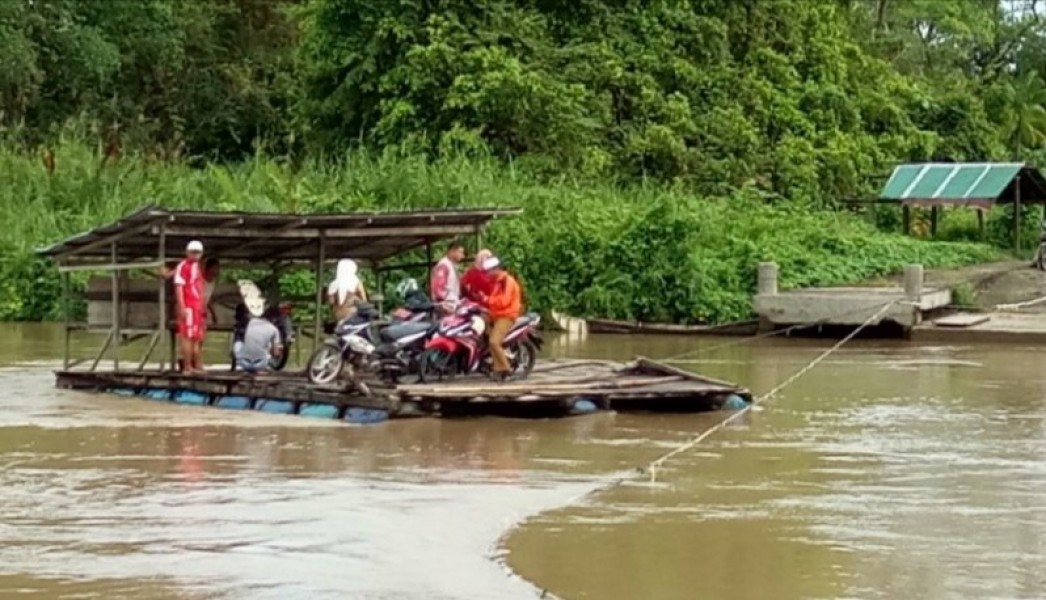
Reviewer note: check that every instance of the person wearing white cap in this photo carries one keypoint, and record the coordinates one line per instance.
(504, 305)
(189, 299)
(261, 340)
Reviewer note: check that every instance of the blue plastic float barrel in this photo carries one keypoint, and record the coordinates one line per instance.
(583, 406)
(156, 394)
(365, 416)
(319, 411)
(734, 402)
(280, 407)
(190, 397)
(233, 402)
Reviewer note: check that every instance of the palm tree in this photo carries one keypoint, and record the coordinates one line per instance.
(1025, 125)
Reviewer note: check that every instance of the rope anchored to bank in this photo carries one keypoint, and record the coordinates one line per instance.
(652, 468)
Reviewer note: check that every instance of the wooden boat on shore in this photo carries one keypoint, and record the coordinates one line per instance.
(639, 327)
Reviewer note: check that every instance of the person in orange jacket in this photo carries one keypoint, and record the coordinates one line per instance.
(504, 305)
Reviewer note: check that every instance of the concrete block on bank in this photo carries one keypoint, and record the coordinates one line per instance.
(847, 305)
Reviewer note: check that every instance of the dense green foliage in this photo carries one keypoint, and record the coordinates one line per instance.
(660, 148)
(650, 253)
(202, 78)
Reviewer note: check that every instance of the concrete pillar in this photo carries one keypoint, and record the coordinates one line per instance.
(767, 279)
(913, 282)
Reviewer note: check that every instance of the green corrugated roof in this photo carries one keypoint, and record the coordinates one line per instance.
(950, 181)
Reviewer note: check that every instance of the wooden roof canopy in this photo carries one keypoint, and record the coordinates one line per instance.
(371, 237)
(978, 185)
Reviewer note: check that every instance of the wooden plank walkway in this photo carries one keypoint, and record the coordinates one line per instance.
(554, 388)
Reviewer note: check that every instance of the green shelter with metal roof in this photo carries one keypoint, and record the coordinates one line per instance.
(973, 185)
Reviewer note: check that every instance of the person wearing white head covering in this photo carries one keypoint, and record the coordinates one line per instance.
(346, 290)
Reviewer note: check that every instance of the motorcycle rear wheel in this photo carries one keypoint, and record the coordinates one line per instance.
(526, 357)
(277, 363)
(326, 364)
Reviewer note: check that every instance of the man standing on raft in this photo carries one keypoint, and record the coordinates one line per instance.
(189, 297)
(444, 284)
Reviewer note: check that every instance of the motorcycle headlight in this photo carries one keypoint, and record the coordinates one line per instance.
(479, 325)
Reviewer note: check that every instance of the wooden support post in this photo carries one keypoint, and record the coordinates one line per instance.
(479, 238)
(980, 222)
(67, 318)
(906, 220)
(1017, 215)
(767, 279)
(149, 351)
(934, 215)
(379, 294)
(161, 325)
(102, 351)
(318, 318)
(428, 269)
(116, 310)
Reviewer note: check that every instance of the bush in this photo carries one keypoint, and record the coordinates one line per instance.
(584, 247)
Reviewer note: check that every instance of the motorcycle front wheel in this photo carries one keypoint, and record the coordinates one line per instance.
(326, 364)
(436, 365)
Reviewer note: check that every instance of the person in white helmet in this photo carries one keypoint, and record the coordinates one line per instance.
(189, 300)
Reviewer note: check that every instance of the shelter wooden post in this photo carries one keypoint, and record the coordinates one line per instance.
(906, 219)
(428, 265)
(479, 238)
(378, 295)
(116, 310)
(66, 317)
(162, 330)
(980, 222)
(318, 318)
(1017, 215)
(934, 215)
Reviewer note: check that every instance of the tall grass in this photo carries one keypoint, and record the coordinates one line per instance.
(585, 247)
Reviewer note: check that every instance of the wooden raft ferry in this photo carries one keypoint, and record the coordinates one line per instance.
(133, 305)
(555, 388)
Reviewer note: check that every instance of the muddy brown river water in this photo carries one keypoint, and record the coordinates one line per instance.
(890, 471)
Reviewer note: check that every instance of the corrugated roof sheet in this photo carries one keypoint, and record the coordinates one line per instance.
(366, 236)
(957, 182)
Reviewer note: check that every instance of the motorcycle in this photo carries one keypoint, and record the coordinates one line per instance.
(460, 346)
(417, 307)
(278, 314)
(358, 345)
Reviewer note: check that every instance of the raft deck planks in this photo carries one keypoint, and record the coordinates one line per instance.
(553, 388)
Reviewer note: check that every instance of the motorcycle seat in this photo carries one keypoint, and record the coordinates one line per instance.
(398, 331)
(525, 320)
